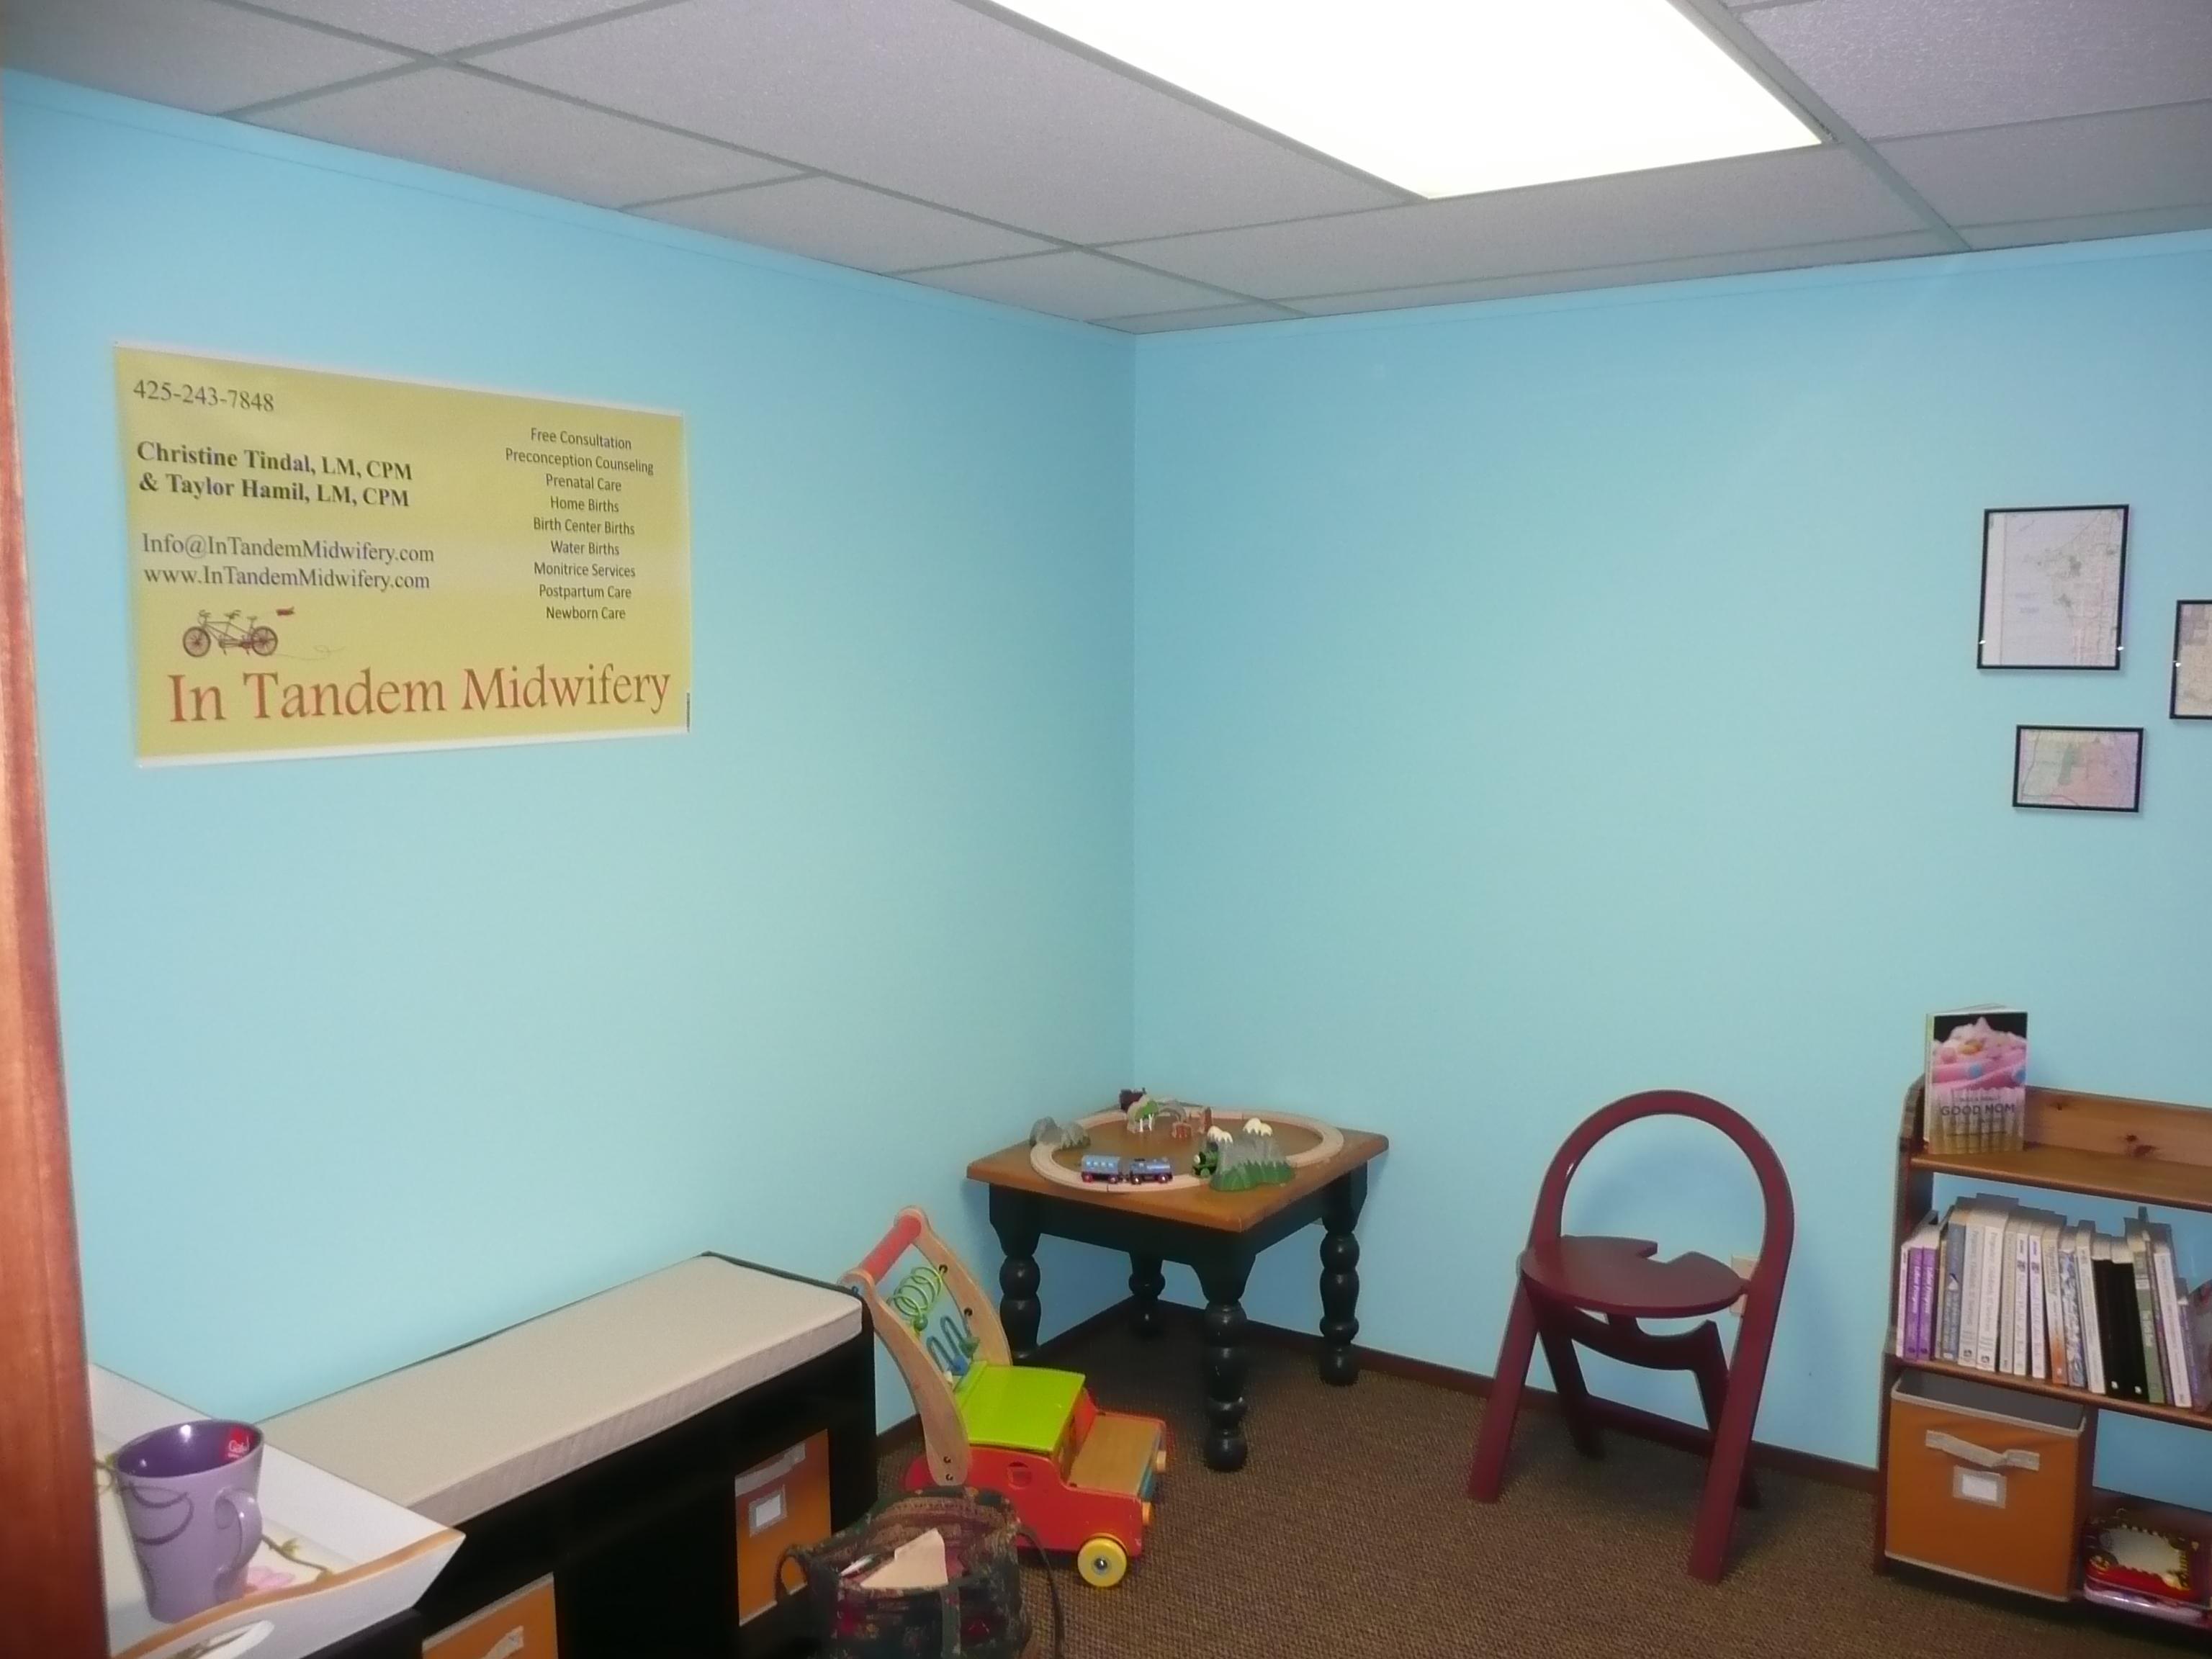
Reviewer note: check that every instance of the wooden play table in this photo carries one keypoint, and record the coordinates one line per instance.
(1218, 1235)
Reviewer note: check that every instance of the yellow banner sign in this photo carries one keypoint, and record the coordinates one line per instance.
(323, 562)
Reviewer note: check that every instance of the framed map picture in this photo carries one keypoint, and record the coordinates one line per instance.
(2078, 769)
(2193, 661)
(2052, 581)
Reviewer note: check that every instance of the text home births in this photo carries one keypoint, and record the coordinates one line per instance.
(215, 397)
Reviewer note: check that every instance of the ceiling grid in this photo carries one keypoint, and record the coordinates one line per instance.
(956, 144)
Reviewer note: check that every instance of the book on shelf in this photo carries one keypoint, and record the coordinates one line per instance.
(2054, 1313)
(1951, 1265)
(2115, 1299)
(2093, 1342)
(1974, 1092)
(2181, 1386)
(2070, 1307)
(1915, 1282)
(2138, 1257)
(1965, 1226)
(2198, 1302)
(2042, 1271)
(2008, 1243)
(1995, 1286)
(1989, 1229)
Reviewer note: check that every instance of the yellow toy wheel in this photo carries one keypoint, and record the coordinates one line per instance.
(1102, 1562)
(1160, 1461)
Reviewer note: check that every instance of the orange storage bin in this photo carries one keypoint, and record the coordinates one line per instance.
(518, 1626)
(782, 1504)
(1986, 1482)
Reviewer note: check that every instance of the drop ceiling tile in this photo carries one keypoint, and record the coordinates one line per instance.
(1891, 68)
(189, 54)
(1792, 198)
(935, 100)
(2149, 158)
(1855, 252)
(442, 25)
(1162, 322)
(2152, 221)
(1080, 285)
(448, 118)
(847, 225)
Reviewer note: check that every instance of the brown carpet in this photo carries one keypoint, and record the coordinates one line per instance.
(1348, 1535)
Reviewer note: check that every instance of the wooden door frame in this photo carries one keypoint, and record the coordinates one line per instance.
(50, 1598)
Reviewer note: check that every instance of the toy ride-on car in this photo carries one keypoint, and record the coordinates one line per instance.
(1082, 1479)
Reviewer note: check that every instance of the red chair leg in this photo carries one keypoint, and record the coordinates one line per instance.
(1495, 1439)
(1567, 1382)
(1732, 1444)
(1710, 1367)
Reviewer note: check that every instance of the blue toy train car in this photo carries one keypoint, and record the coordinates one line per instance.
(1105, 1168)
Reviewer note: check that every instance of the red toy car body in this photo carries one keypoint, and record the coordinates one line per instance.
(1064, 1513)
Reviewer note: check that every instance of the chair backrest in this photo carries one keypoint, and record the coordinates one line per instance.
(936, 1323)
(1781, 1227)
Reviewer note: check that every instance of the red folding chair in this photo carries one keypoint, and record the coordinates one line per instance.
(1593, 1291)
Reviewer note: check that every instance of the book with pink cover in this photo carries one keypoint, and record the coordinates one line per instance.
(1974, 1098)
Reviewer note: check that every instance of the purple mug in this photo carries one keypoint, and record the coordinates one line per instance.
(188, 1495)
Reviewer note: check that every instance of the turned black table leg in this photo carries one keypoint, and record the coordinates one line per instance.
(1339, 1279)
(1223, 1281)
(1019, 1310)
(1146, 1283)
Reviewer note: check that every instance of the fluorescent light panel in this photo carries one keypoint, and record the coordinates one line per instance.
(1450, 97)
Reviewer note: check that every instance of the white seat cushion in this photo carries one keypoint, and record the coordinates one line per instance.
(453, 1436)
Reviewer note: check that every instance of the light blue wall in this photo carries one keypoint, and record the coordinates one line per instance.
(1533, 703)
(1549, 700)
(367, 1056)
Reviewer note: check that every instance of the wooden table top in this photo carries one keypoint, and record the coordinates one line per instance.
(1200, 1206)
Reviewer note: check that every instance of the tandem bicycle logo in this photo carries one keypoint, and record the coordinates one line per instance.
(232, 632)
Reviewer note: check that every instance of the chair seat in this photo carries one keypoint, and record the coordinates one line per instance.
(1618, 1276)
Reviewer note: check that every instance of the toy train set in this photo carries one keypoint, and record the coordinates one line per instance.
(1223, 1153)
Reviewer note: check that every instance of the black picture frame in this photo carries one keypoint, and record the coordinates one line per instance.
(2181, 610)
(1989, 516)
(2018, 736)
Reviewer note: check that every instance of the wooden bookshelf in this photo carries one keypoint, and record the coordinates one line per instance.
(2139, 1152)
(2143, 1151)
(2194, 1420)
(2064, 1169)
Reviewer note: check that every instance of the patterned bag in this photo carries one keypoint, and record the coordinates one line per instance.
(977, 1615)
